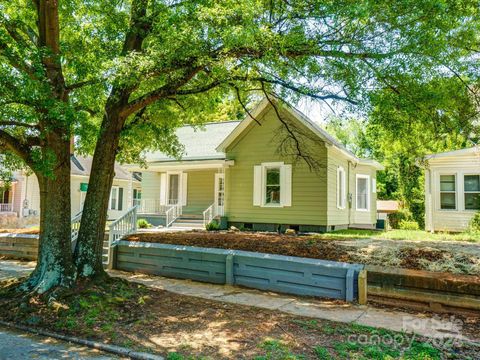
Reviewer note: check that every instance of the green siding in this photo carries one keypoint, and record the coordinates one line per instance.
(200, 194)
(150, 185)
(309, 188)
(337, 216)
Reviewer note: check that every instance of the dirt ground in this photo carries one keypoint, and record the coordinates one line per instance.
(183, 327)
(457, 258)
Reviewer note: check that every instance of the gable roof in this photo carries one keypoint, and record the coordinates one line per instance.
(475, 150)
(82, 165)
(200, 143)
(321, 133)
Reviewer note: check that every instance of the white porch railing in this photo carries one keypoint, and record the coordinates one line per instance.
(6, 207)
(173, 212)
(124, 225)
(208, 215)
(150, 206)
(75, 228)
(211, 213)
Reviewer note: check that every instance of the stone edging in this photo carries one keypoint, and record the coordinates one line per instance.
(113, 349)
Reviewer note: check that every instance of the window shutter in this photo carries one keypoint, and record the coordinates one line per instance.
(120, 198)
(163, 189)
(184, 189)
(286, 185)
(257, 185)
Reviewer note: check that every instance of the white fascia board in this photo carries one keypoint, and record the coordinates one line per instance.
(181, 165)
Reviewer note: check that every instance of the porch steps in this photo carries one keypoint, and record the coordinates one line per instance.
(187, 221)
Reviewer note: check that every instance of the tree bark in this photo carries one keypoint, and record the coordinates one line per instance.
(89, 250)
(55, 264)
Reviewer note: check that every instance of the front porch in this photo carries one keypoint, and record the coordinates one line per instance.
(7, 196)
(182, 196)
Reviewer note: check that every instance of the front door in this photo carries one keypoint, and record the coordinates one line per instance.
(220, 193)
(173, 189)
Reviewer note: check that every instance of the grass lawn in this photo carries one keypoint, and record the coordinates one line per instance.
(411, 235)
(181, 327)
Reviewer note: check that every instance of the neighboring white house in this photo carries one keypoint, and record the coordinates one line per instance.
(22, 198)
(452, 189)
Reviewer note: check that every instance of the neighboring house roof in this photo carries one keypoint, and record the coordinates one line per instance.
(475, 150)
(82, 165)
(387, 206)
(321, 133)
(199, 143)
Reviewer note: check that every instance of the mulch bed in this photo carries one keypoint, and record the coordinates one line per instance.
(302, 246)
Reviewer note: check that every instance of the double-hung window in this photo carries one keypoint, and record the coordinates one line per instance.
(363, 192)
(448, 192)
(272, 185)
(116, 198)
(471, 188)
(341, 188)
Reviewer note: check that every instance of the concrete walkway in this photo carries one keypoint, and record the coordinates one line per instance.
(19, 346)
(299, 306)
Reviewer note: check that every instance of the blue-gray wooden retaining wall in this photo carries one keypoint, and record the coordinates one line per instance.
(288, 274)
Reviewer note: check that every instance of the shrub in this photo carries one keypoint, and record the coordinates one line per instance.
(212, 226)
(143, 224)
(409, 225)
(474, 225)
(395, 219)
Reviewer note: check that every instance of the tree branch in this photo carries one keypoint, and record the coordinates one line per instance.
(81, 84)
(15, 146)
(18, 123)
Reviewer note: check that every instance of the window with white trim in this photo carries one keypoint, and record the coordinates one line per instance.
(272, 185)
(471, 189)
(363, 192)
(341, 188)
(374, 185)
(448, 192)
(114, 198)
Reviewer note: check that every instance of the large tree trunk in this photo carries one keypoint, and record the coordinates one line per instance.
(55, 264)
(89, 249)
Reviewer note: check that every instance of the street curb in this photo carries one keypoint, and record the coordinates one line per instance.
(113, 349)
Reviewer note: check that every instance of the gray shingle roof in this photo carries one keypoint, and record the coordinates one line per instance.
(82, 166)
(199, 142)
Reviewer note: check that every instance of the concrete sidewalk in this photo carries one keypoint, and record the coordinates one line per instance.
(424, 325)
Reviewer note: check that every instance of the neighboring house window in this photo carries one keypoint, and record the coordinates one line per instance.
(272, 185)
(116, 198)
(448, 192)
(137, 196)
(341, 188)
(472, 192)
(363, 192)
